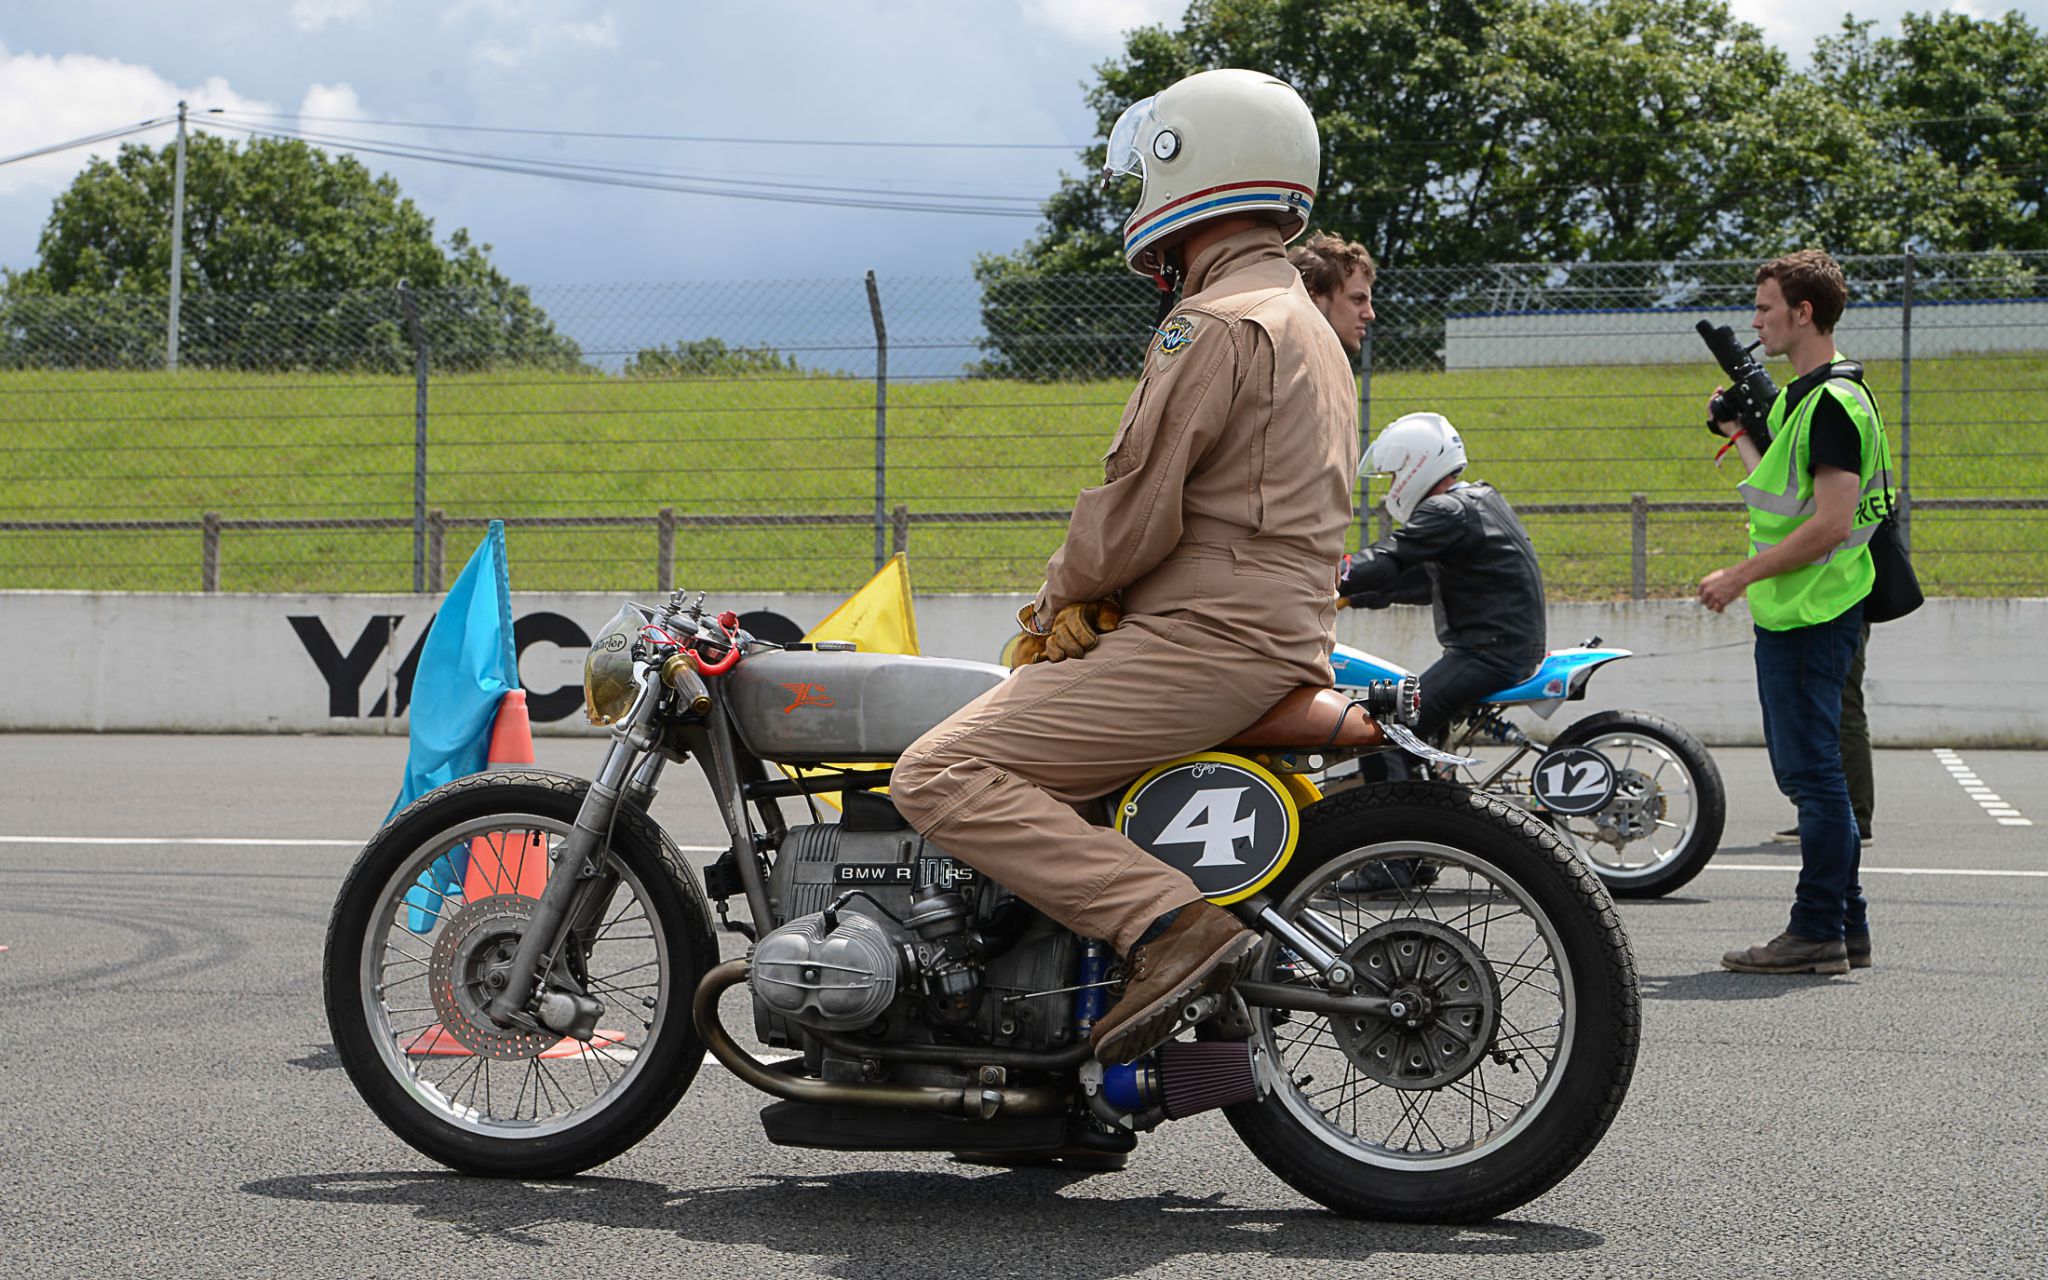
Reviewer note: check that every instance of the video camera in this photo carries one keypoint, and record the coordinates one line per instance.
(1750, 391)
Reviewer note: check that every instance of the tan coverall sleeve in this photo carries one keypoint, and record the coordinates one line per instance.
(1122, 528)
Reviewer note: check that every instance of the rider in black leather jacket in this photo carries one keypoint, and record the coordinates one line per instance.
(1460, 547)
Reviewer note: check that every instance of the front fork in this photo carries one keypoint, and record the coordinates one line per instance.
(580, 887)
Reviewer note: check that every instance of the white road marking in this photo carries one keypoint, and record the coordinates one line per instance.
(252, 842)
(714, 848)
(118, 840)
(1793, 868)
(1995, 806)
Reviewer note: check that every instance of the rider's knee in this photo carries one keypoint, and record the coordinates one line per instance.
(910, 782)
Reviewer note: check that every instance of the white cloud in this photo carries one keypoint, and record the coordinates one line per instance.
(1102, 23)
(493, 53)
(1796, 28)
(604, 32)
(313, 15)
(46, 99)
(326, 105)
(517, 32)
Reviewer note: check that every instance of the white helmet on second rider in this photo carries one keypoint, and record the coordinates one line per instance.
(1214, 145)
(1418, 450)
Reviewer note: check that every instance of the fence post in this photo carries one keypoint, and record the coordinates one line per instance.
(881, 417)
(1906, 404)
(419, 434)
(1638, 546)
(665, 551)
(437, 541)
(899, 530)
(1364, 426)
(209, 552)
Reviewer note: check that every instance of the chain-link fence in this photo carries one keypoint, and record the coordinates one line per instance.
(789, 434)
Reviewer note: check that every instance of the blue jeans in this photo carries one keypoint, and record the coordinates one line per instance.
(1799, 678)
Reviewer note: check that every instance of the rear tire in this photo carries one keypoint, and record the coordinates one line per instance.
(1511, 912)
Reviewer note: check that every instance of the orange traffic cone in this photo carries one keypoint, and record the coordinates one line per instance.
(510, 861)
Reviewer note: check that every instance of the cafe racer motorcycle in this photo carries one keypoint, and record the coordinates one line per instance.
(522, 974)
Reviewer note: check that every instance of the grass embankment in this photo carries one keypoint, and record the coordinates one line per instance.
(138, 447)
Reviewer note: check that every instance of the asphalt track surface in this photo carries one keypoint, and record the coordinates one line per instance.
(170, 1105)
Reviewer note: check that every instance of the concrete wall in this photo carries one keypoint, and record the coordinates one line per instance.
(1526, 339)
(1957, 673)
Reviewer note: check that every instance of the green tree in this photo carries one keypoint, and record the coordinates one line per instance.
(707, 358)
(292, 257)
(1953, 123)
(1453, 133)
(1461, 132)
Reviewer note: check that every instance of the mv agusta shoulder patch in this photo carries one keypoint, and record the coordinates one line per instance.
(1175, 336)
(1224, 821)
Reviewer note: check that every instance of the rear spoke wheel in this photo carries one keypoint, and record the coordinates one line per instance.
(1499, 1024)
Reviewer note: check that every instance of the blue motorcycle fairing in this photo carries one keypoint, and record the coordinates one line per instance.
(1563, 673)
(1355, 668)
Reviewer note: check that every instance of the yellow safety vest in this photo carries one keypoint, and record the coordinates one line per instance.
(1779, 494)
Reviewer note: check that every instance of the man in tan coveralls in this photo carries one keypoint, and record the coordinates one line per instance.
(1224, 502)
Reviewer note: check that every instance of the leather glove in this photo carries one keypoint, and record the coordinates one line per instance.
(1076, 628)
(1028, 649)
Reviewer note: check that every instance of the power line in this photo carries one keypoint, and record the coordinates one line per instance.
(2000, 116)
(669, 137)
(880, 200)
(422, 152)
(106, 136)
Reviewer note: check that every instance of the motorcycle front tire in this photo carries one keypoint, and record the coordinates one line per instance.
(1710, 798)
(667, 1062)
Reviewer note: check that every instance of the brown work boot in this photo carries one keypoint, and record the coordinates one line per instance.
(1203, 951)
(1790, 953)
(1858, 945)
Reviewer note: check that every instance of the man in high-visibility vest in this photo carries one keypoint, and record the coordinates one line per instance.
(1816, 493)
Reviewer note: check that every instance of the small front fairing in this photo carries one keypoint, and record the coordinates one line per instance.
(811, 707)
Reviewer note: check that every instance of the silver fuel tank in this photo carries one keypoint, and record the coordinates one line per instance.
(810, 707)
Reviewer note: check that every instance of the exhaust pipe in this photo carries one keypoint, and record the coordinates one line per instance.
(982, 1103)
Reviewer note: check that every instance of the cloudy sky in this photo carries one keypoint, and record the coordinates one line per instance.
(926, 71)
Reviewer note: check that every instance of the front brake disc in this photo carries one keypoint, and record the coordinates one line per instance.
(468, 968)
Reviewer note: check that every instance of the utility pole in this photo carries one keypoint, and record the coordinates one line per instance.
(177, 243)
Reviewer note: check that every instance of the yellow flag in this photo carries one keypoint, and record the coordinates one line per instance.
(880, 619)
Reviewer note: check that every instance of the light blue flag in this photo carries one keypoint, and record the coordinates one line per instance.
(466, 666)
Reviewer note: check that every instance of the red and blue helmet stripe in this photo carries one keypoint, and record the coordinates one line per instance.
(1285, 197)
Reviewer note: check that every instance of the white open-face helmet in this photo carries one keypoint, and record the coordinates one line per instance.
(1214, 145)
(1418, 450)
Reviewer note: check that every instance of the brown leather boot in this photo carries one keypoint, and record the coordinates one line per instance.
(1790, 953)
(1203, 951)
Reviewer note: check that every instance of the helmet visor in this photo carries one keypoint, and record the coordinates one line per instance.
(1125, 155)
